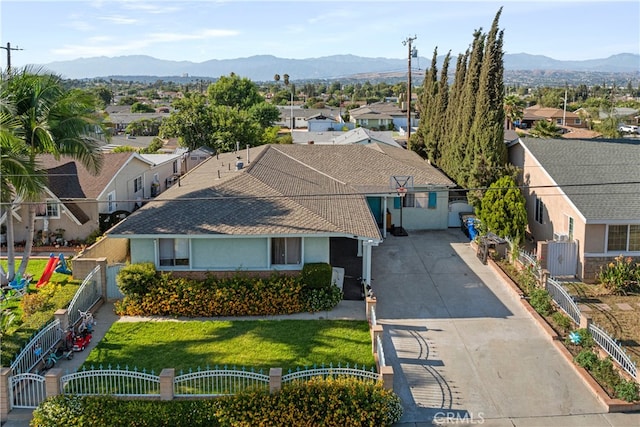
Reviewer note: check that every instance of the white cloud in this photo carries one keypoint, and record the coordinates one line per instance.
(119, 20)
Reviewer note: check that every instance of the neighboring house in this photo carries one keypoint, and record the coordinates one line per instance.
(555, 115)
(301, 117)
(381, 115)
(193, 158)
(354, 136)
(278, 207)
(78, 202)
(585, 192)
(320, 123)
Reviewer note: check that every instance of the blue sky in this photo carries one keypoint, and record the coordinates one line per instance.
(197, 31)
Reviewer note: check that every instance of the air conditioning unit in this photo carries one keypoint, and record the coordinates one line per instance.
(560, 237)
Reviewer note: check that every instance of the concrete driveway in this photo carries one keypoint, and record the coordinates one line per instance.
(463, 348)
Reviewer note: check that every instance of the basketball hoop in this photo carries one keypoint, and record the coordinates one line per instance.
(402, 191)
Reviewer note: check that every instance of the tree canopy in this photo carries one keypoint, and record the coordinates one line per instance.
(462, 127)
(502, 209)
(232, 113)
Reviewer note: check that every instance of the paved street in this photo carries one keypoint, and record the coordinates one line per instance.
(462, 346)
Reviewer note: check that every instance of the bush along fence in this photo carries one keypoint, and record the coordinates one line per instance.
(20, 388)
(567, 304)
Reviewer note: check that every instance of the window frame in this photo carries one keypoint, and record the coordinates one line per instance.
(111, 202)
(288, 243)
(49, 211)
(175, 247)
(137, 184)
(627, 240)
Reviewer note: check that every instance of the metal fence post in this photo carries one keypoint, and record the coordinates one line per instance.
(52, 382)
(275, 380)
(167, 375)
(5, 403)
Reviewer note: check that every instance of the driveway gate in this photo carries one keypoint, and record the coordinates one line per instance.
(113, 292)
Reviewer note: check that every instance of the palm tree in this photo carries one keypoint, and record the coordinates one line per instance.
(19, 179)
(545, 129)
(52, 120)
(513, 109)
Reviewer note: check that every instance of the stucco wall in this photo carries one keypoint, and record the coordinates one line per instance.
(422, 218)
(231, 254)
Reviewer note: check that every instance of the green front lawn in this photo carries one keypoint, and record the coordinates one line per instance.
(259, 344)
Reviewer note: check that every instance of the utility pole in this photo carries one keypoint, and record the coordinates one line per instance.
(9, 49)
(412, 53)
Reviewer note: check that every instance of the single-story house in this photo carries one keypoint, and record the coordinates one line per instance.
(354, 136)
(558, 116)
(277, 207)
(382, 115)
(584, 194)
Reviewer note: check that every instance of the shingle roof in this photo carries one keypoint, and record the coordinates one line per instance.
(69, 179)
(600, 177)
(284, 189)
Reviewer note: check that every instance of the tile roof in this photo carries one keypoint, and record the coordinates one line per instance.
(600, 177)
(282, 189)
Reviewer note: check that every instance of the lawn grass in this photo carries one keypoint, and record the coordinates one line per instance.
(259, 344)
(21, 329)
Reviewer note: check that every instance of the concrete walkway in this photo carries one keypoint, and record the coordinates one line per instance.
(463, 348)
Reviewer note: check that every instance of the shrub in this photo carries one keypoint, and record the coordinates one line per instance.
(541, 301)
(621, 276)
(330, 402)
(135, 280)
(322, 299)
(587, 359)
(32, 303)
(562, 321)
(316, 275)
(628, 390)
(586, 339)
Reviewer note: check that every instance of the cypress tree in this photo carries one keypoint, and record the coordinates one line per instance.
(424, 139)
(487, 152)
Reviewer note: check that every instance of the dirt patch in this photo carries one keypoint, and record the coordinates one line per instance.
(619, 315)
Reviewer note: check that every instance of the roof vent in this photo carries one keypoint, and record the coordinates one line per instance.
(239, 163)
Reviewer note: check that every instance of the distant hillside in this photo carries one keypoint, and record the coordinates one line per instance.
(263, 67)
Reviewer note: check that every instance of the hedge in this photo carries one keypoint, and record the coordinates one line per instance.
(236, 296)
(339, 401)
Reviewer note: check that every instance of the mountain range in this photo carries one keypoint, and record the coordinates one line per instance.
(264, 67)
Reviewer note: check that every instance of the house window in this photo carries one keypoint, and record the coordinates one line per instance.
(137, 184)
(570, 228)
(578, 121)
(175, 166)
(49, 209)
(286, 250)
(559, 121)
(111, 201)
(539, 211)
(409, 200)
(634, 238)
(174, 252)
